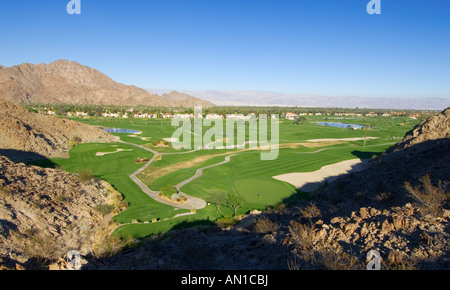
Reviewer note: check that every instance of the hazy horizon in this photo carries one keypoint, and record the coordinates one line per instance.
(328, 48)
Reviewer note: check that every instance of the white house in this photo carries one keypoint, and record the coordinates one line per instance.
(291, 116)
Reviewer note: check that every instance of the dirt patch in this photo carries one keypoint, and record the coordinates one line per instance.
(310, 144)
(153, 173)
(117, 151)
(342, 139)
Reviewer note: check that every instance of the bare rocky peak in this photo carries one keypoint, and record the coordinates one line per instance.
(82, 75)
(66, 81)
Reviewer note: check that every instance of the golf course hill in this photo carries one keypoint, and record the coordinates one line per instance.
(397, 206)
(27, 135)
(69, 82)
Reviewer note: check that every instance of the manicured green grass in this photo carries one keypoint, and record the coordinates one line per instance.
(204, 217)
(115, 168)
(245, 175)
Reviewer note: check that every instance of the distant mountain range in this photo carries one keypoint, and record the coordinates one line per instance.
(69, 82)
(261, 98)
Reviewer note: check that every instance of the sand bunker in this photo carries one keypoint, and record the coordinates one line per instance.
(310, 181)
(117, 151)
(142, 138)
(343, 139)
(171, 139)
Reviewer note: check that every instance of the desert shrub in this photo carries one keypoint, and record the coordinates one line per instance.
(104, 209)
(74, 142)
(383, 196)
(5, 190)
(61, 198)
(302, 235)
(276, 208)
(309, 211)
(113, 245)
(42, 246)
(85, 175)
(265, 225)
(293, 264)
(226, 222)
(327, 259)
(430, 198)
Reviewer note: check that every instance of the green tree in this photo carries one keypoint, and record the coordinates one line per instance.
(168, 190)
(234, 201)
(218, 198)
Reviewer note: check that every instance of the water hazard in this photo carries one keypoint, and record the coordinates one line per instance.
(340, 125)
(120, 130)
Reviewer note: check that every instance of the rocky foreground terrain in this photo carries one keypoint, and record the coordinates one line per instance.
(44, 213)
(398, 206)
(27, 135)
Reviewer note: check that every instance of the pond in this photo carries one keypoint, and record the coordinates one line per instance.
(340, 125)
(119, 130)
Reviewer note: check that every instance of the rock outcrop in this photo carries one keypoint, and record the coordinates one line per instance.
(44, 213)
(433, 128)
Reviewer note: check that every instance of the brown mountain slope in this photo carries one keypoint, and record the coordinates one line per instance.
(177, 99)
(44, 213)
(69, 82)
(23, 131)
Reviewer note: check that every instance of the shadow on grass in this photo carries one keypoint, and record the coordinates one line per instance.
(194, 224)
(20, 156)
(365, 155)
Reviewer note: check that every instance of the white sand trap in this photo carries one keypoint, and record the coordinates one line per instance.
(142, 138)
(171, 139)
(117, 151)
(343, 139)
(310, 181)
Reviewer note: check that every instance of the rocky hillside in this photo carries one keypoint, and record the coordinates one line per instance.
(398, 205)
(69, 82)
(436, 127)
(28, 135)
(44, 213)
(177, 99)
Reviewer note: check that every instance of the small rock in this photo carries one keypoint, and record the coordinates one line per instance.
(364, 213)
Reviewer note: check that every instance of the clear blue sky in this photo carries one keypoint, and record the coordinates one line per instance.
(330, 47)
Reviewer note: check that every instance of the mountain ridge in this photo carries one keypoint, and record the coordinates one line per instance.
(64, 81)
